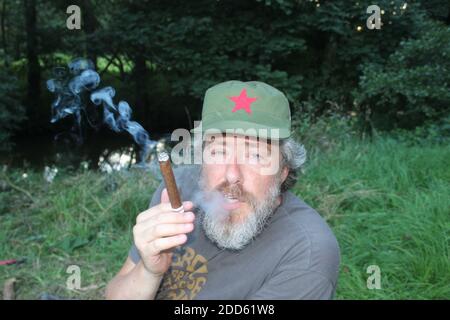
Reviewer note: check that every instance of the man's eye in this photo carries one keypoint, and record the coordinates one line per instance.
(255, 156)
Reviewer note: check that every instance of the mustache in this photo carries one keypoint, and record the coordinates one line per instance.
(234, 191)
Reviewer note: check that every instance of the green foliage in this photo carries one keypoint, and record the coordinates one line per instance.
(201, 44)
(82, 218)
(326, 132)
(432, 132)
(414, 85)
(336, 50)
(387, 204)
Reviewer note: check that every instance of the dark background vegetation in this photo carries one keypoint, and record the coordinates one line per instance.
(162, 55)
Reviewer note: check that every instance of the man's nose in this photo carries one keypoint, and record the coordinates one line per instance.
(233, 172)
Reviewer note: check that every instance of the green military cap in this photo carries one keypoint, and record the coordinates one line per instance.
(251, 106)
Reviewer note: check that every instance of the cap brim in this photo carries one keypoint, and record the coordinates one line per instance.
(243, 128)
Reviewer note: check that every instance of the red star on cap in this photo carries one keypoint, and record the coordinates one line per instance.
(242, 102)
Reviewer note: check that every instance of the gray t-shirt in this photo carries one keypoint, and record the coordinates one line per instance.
(295, 257)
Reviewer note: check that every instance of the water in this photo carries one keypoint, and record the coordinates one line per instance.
(105, 151)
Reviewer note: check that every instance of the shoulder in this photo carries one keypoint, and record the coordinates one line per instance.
(310, 242)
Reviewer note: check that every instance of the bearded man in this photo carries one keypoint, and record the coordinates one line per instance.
(243, 234)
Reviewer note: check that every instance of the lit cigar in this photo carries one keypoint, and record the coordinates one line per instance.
(169, 180)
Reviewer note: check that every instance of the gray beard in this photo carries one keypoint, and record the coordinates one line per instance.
(216, 221)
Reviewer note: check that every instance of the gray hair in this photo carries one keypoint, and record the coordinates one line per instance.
(293, 156)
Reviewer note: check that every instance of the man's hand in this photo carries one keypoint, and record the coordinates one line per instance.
(158, 230)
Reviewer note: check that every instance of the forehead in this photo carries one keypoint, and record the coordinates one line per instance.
(231, 139)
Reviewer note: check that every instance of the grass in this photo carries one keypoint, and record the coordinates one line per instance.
(387, 202)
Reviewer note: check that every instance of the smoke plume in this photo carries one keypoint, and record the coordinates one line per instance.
(71, 84)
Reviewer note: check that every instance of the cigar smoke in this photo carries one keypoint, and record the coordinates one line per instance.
(71, 85)
(211, 202)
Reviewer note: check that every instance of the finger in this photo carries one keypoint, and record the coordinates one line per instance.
(166, 218)
(165, 230)
(164, 196)
(161, 244)
(144, 215)
(162, 207)
(187, 205)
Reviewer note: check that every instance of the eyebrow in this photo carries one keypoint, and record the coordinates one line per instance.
(248, 143)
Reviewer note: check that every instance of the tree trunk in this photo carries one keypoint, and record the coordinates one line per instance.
(3, 31)
(140, 73)
(34, 70)
(90, 25)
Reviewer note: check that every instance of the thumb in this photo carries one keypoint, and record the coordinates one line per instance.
(164, 196)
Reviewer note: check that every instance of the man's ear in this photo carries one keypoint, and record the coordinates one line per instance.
(284, 174)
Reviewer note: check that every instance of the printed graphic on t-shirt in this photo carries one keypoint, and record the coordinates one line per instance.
(186, 276)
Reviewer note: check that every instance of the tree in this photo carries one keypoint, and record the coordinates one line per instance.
(12, 113)
(413, 86)
(33, 67)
